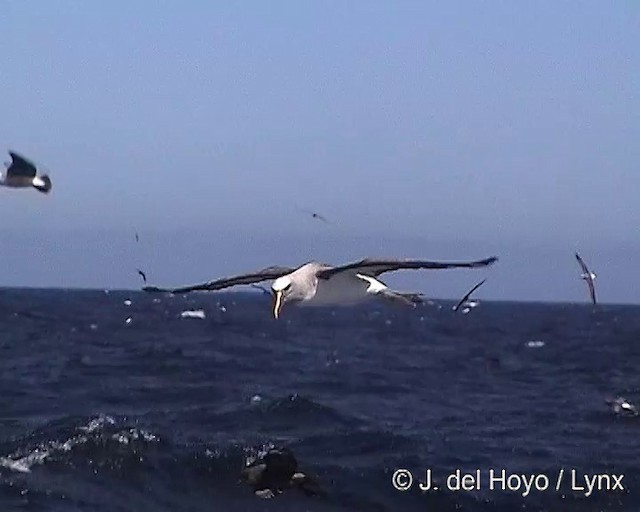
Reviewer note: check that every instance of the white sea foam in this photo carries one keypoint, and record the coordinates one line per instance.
(195, 313)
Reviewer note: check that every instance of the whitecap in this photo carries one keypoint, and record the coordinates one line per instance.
(97, 423)
(197, 313)
(23, 464)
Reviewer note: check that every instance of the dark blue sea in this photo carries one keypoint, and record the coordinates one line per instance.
(110, 406)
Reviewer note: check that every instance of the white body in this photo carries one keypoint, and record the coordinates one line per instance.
(342, 288)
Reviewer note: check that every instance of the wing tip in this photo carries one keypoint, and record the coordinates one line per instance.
(488, 261)
(17, 157)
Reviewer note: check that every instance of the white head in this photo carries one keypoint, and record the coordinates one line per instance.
(283, 291)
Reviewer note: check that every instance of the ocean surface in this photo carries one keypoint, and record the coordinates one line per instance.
(113, 406)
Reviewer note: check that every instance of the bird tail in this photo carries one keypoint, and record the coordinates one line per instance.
(42, 183)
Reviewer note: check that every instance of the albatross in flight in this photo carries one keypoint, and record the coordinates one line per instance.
(314, 215)
(464, 299)
(142, 275)
(21, 173)
(318, 284)
(588, 276)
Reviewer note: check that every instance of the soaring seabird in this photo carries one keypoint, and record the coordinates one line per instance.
(261, 288)
(588, 276)
(142, 275)
(319, 284)
(21, 173)
(275, 471)
(314, 215)
(464, 299)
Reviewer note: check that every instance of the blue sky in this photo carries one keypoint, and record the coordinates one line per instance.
(420, 129)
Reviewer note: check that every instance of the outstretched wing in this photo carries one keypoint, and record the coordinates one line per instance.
(464, 299)
(592, 290)
(227, 282)
(583, 265)
(587, 277)
(20, 166)
(373, 267)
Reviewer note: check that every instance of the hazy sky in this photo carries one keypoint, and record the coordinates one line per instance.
(428, 129)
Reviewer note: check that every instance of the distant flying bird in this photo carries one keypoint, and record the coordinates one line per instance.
(588, 276)
(137, 237)
(142, 275)
(466, 297)
(314, 215)
(21, 173)
(262, 288)
(318, 284)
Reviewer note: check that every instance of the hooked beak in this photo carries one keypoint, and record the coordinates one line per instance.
(277, 304)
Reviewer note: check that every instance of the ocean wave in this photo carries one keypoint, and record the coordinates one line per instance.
(98, 441)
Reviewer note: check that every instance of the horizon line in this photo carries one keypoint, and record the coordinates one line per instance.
(248, 292)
